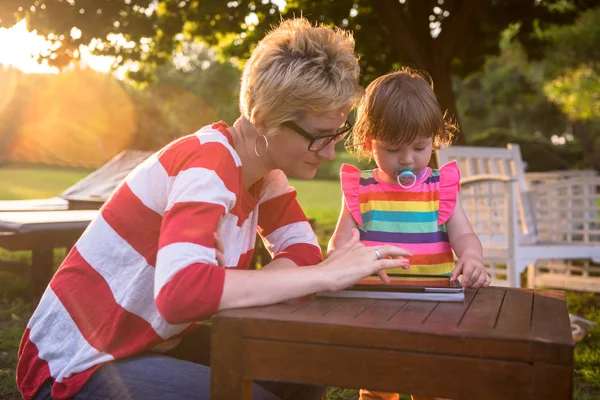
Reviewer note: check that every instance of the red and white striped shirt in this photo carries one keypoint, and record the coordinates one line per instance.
(145, 270)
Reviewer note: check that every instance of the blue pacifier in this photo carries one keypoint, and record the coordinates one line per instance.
(406, 179)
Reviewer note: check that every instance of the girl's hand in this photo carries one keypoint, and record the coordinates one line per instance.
(354, 261)
(474, 274)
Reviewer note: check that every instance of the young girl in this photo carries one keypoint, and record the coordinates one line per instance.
(403, 202)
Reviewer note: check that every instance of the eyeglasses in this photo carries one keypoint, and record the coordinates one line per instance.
(318, 143)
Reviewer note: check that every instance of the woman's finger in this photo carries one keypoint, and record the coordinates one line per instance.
(392, 251)
(218, 242)
(384, 276)
(219, 249)
(220, 259)
(389, 263)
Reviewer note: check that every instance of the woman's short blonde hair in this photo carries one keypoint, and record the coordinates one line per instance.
(298, 68)
(398, 108)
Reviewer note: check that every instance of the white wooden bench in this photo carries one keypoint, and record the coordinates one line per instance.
(520, 226)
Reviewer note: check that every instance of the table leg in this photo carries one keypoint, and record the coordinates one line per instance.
(227, 368)
(42, 266)
(552, 381)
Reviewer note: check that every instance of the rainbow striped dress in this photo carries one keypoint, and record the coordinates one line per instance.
(414, 219)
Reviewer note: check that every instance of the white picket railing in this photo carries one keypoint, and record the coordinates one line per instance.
(524, 219)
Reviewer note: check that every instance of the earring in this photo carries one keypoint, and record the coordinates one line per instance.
(261, 155)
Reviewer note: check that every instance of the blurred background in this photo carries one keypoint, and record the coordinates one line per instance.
(83, 80)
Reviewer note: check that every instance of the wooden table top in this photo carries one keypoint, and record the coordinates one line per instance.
(494, 322)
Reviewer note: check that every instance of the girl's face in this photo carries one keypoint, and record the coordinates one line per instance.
(392, 159)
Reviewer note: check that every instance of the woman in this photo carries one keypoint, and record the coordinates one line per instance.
(172, 245)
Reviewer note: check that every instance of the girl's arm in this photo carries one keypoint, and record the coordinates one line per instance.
(343, 229)
(461, 235)
(468, 249)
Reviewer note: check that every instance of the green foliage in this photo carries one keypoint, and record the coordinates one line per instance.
(110, 115)
(181, 101)
(577, 91)
(13, 317)
(506, 94)
(575, 44)
(572, 79)
(372, 21)
(426, 34)
(573, 67)
(539, 152)
(587, 352)
(217, 82)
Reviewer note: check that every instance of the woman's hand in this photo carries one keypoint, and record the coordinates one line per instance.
(219, 249)
(474, 274)
(354, 261)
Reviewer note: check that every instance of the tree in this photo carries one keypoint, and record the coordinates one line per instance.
(504, 95)
(78, 118)
(573, 79)
(441, 37)
(178, 103)
(12, 104)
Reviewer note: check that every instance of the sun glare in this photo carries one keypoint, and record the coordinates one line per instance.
(19, 47)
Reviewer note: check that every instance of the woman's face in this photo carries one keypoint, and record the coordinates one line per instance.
(288, 150)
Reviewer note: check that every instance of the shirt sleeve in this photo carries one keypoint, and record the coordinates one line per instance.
(350, 181)
(449, 188)
(204, 180)
(282, 224)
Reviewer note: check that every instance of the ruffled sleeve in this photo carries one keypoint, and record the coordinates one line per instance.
(350, 180)
(449, 188)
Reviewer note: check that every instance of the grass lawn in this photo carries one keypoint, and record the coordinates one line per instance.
(319, 199)
(22, 182)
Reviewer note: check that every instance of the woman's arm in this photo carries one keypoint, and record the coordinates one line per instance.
(344, 267)
(343, 229)
(286, 232)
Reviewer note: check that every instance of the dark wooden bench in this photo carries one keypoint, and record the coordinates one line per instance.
(41, 232)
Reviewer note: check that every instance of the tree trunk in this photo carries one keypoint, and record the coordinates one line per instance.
(587, 144)
(442, 85)
(411, 40)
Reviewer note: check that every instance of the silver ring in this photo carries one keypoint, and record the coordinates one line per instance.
(377, 253)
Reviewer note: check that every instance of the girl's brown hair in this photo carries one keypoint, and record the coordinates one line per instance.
(398, 108)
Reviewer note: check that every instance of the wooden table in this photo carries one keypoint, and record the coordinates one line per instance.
(42, 232)
(500, 344)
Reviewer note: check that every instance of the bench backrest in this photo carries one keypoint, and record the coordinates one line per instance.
(497, 161)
